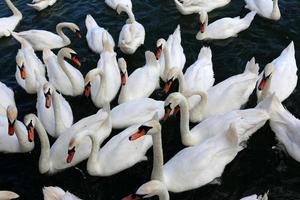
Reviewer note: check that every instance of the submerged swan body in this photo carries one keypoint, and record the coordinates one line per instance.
(268, 8)
(41, 4)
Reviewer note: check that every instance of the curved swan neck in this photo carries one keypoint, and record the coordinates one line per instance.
(276, 11)
(60, 32)
(167, 58)
(124, 90)
(22, 137)
(59, 124)
(158, 160)
(164, 194)
(13, 8)
(60, 58)
(128, 11)
(201, 105)
(184, 121)
(182, 83)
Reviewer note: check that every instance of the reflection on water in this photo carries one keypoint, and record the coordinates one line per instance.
(255, 170)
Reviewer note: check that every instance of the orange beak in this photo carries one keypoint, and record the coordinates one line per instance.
(22, 72)
(202, 28)
(132, 197)
(30, 132)
(78, 34)
(158, 53)
(48, 101)
(167, 86)
(75, 59)
(11, 128)
(71, 153)
(87, 90)
(123, 78)
(137, 135)
(176, 110)
(263, 82)
(167, 113)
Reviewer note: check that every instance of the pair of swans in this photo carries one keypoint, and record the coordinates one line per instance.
(279, 76)
(142, 82)
(7, 97)
(114, 3)
(268, 8)
(8, 195)
(41, 39)
(41, 4)
(223, 28)
(167, 48)
(8, 24)
(94, 35)
(56, 193)
(132, 34)
(53, 110)
(250, 120)
(255, 197)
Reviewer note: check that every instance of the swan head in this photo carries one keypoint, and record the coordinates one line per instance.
(88, 79)
(12, 114)
(75, 29)
(70, 54)
(267, 74)
(20, 60)
(29, 121)
(149, 128)
(203, 18)
(107, 45)
(172, 74)
(147, 190)
(160, 45)
(48, 91)
(172, 105)
(8, 195)
(123, 70)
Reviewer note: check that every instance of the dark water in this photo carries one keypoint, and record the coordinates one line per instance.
(255, 170)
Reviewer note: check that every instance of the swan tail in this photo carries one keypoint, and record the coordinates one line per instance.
(236, 136)
(37, 6)
(289, 50)
(8, 195)
(249, 17)
(70, 196)
(177, 34)
(252, 67)
(90, 22)
(53, 193)
(150, 58)
(205, 52)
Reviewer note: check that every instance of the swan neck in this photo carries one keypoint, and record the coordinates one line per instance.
(60, 32)
(164, 194)
(59, 124)
(124, 90)
(276, 11)
(167, 58)
(62, 63)
(182, 83)
(184, 122)
(13, 8)
(22, 137)
(129, 12)
(201, 105)
(158, 160)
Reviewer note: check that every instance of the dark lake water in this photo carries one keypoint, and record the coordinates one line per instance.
(255, 170)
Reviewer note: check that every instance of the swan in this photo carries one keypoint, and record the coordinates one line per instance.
(268, 8)
(53, 160)
(142, 82)
(8, 195)
(7, 97)
(284, 124)
(117, 154)
(132, 34)
(201, 73)
(223, 28)
(13, 134)
(30, 71)
(41, 4)
(114, 3)
(63, 76)
(103, 82)
(56, 193)
(170, 48)
(196, 166)
(41, 39)
(255, 197)
(250, 119)
(279, 76)
(94, 35)
(8, 24)
(53, 111)
(187, 7)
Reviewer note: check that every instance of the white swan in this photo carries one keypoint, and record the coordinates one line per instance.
(8, 195)
(195, 166)
(223, 28)
(187, 7)
(94, 35)
(132, 34)
(41, 4)
(8, 24)
(136, 112)
(268, 8)
(173, 55)
(142, 82)
(56, 193)
(13, 134)
(198, 77)
(103, 83)
(53, 110)
(284, 125)
(54, 160)
(255, 197)
(62, 75)
(279, 76)
(41, 39)
(117, 154)
(114, 3)
(30, 71)
(7, 97)
(250, 120)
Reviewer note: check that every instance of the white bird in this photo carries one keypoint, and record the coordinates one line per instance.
(54, 160)
(94, 35)
(279, 76)
(114, 3)
(41, 39)
(41, 4)
(103, 83)
(187, 7)
(13, 133)
(267, 8)
(223, 28)
(8, 195)
(250, 120)
(62, 75)
(8, 24)
(132, 34)
(56, 193)
(53, 110)
(173, 55)
(255, 197)
(142, 82)
(7, 97)
(30, 71)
